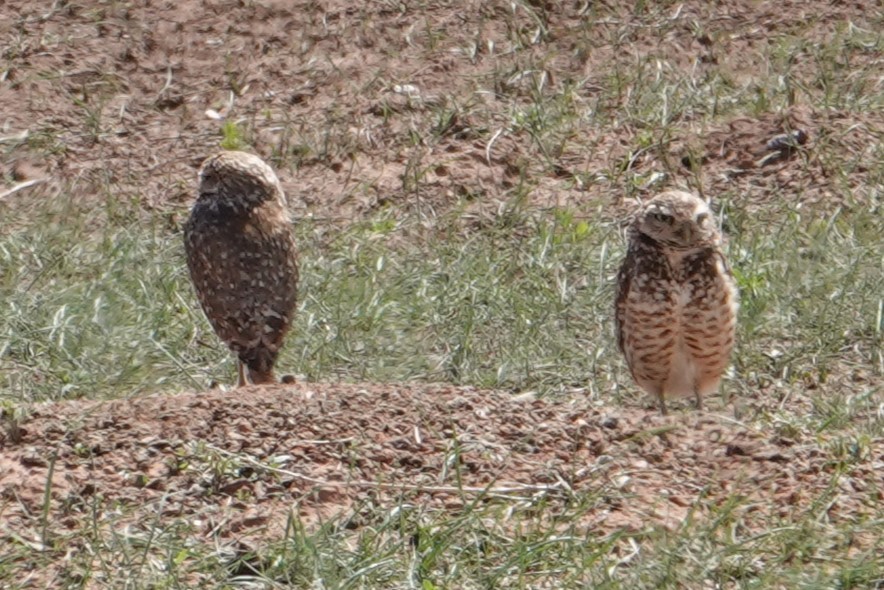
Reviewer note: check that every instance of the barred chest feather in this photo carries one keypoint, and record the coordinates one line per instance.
(679, 319)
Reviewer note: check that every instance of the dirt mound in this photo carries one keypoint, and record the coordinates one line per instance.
(240, 461)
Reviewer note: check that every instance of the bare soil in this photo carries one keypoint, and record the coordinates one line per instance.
(382, 106)
(236, 463)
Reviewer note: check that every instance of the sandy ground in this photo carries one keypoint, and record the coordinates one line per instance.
(379, 107)
(321, 449)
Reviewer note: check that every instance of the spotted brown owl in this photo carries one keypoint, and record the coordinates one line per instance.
(677, 301)
(242, 259)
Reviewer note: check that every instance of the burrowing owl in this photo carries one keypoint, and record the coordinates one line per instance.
(242, 259)
(677, 301)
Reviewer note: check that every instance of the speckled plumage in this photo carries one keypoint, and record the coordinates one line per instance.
(677, 300)
(242, 259)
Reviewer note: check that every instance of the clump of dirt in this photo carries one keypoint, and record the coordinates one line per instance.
(249, 456)
(786, 155)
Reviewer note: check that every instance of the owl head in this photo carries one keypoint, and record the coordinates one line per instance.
(238, 180)
(678, 220)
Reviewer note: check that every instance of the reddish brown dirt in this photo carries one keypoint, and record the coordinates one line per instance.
(373, 106)
(238, 462)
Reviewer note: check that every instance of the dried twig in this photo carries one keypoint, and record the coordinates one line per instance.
(502, 490)
(21, 186)
(15, 137)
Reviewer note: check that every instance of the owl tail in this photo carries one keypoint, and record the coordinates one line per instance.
(259, 362)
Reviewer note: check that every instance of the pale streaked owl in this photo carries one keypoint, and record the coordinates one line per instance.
(677, 301)
(242, 259)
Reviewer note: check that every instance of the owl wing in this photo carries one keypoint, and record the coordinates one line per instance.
(208, 260)
(644, 259)
(278, 296)
(710, 267)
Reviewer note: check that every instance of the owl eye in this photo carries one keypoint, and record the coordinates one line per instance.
(661, 217)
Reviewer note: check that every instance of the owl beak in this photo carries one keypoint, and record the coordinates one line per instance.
(685, 233)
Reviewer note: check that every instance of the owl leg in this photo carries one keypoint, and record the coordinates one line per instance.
(261, 377)
(661, 400)
(241, 369)
(260, 363)
(699, 399)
